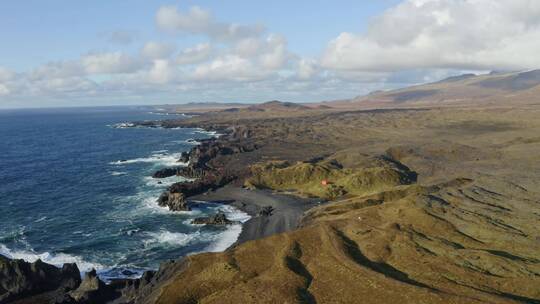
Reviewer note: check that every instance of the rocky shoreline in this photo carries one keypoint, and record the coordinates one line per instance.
(24, 282)
(207, 174)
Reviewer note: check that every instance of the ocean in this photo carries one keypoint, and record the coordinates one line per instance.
(76, 187)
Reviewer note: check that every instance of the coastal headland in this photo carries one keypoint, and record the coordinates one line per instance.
(417, 203)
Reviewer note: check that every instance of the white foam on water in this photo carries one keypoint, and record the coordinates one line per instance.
(164, 159)
(171, 238)
(169, 113)
(234, 214)
(41, 219)
(147, 202)
(118, 173)
(206, 132)
(228, 237)
(57, 259)
(165, 182)
(122, 125)
(225, 239)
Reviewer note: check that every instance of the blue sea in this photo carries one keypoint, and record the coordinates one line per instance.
(76, 187)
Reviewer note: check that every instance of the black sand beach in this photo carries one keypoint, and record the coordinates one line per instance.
(287, 210)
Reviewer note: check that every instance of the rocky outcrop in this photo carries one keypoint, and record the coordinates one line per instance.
(219, 219)
(209, 176)
(207, 150)
(22, 279)
(175, 196)
(130, 289)
(187, 172)
(165, 172)
(184, 157)
(174, 201)
(92, 290)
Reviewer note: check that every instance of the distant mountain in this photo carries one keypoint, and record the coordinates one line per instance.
(522, 87)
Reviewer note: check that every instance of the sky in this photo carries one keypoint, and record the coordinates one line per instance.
(103, 52)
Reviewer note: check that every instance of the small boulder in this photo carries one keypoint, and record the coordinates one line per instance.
(266, 211)
(219, 219)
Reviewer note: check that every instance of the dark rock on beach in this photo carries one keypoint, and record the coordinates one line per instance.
(266, 211)
(219, 219)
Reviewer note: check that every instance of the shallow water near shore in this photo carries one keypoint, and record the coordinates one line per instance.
(75, 188)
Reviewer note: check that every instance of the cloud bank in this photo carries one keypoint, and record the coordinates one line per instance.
(443, 34)
(414, 41)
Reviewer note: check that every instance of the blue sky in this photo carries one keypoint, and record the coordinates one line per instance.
(40, 31)
(71, 53)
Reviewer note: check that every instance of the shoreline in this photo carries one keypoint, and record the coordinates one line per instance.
(287, 210)
(213, 182)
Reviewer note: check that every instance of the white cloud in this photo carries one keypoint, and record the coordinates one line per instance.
(306, 68)
(455, 34)
(157, 50)
(161, 71)
(109, 63)
(248, 47)
(4, 90)
(66, 85)
(196, 54)
(415, 41)
(200, 21)
(229, 67)
(275, 55)
(6, 75)
(60, 69)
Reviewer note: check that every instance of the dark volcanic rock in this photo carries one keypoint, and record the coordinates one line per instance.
(184, 157)
(188, 172)
(218, 219)
(93, 290)
(166, 172)
(266, 211)
(174, 201)
(22, 279)
(175, 197)
(191, 172)
(131, 287)
(203, 166)
(209, 149)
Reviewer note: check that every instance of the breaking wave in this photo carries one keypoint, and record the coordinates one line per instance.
(57, 259)
(160, 158)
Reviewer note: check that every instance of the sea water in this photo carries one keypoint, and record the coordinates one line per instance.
(76, 186)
